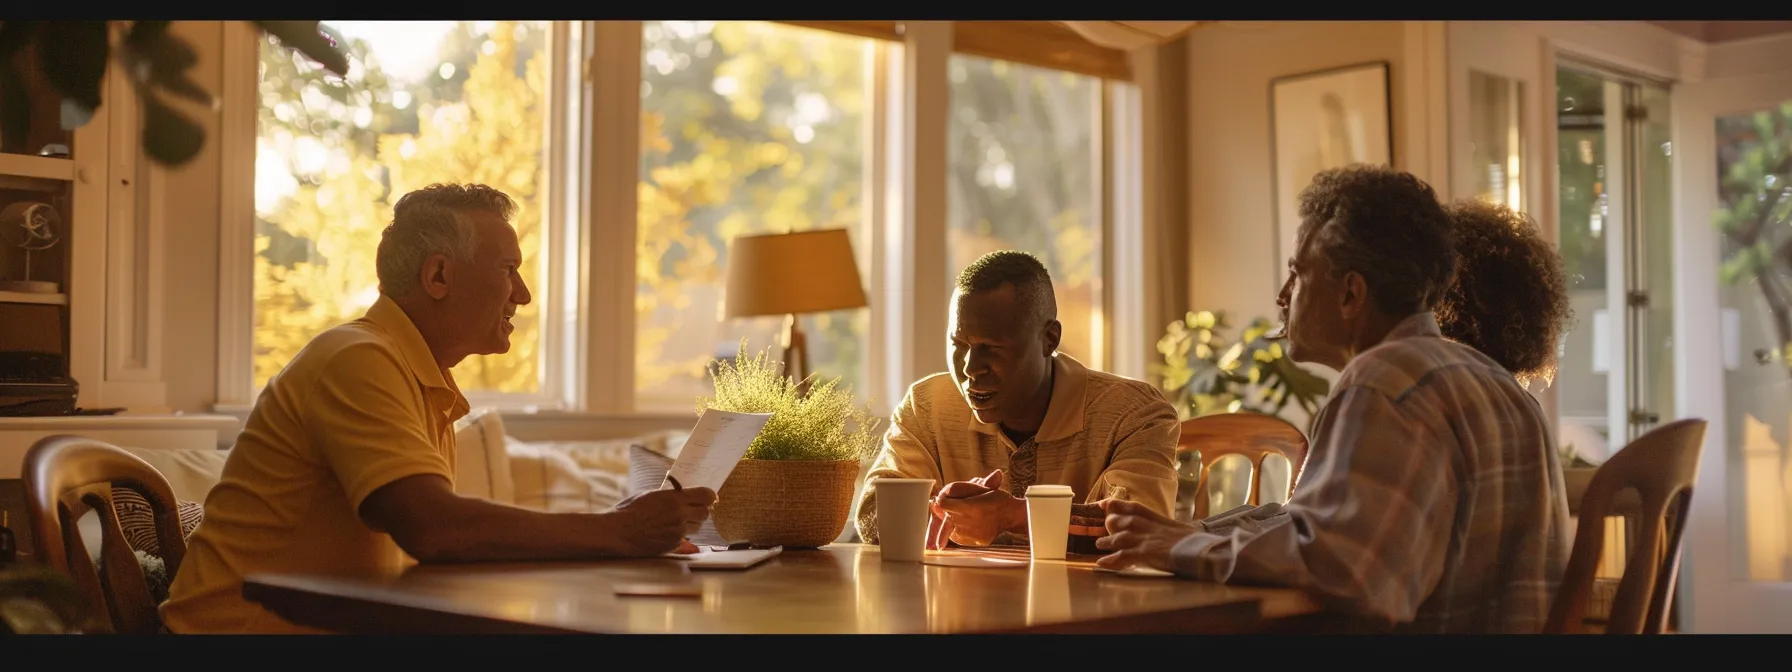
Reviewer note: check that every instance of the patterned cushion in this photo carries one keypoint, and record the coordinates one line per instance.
(138, 522)
(646, 469)
(481, 461)
(549, 479)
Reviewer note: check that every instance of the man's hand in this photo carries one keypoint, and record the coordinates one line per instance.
(973, 513)
(939, 530)
(1139, 536)
(655, 523)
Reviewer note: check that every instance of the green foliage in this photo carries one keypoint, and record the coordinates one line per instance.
(1755, 218)
(1582, 178)
(1205, 374)
(821, 425)
(72, 57)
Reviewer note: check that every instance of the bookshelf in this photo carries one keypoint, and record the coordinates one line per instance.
(41, 162)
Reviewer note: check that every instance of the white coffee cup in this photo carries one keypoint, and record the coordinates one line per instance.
(902, 517)
(1048, 520)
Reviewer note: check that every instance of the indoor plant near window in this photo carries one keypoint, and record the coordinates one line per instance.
(71, 59)
(1203, 373)
(794, 487)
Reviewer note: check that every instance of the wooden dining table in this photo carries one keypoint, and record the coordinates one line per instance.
(836, 589)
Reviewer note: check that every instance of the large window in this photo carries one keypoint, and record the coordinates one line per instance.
(423, 102)
(746, 127)
(743, 127)
(1023, 146)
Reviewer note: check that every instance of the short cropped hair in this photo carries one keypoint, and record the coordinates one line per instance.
(1510, 298)
(1386, 225)
(429, 221)
(1032, 284)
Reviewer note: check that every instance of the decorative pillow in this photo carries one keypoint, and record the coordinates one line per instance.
(646, 469)
(190, 472)
(481, 457)
(609, 456)
(138, 521)
(548, 479)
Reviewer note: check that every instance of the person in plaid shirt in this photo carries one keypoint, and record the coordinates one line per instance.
(1432, 499)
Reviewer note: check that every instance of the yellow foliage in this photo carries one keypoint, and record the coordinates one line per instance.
(734, 169)
(493, 135)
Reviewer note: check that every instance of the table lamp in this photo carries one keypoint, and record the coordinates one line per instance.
(790, 274)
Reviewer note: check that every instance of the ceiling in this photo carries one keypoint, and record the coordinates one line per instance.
(1713, 32)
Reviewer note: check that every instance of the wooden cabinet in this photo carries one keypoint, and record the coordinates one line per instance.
(106, 263)
(39, 191)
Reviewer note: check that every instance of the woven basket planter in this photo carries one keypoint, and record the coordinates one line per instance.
(793, 503)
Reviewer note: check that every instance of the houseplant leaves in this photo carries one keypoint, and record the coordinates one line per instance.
(72, 57)
(1203, 372)
(304, 36)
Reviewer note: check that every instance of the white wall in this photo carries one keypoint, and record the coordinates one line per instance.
(190, 214)
(1233, 264)
(1231, 185)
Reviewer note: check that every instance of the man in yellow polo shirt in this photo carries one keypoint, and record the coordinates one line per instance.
(347, 460)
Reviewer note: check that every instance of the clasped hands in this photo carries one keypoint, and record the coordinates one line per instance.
(974, 512)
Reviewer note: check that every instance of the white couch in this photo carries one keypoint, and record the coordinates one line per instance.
(560, 462)
(588, 472)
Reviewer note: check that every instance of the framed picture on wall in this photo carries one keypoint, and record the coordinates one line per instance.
(1321, 120)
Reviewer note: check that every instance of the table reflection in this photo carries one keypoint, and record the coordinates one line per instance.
(889, 593)
(849, 588)
(1048, 592)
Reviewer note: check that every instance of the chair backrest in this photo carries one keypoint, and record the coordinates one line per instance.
(1252, 435)
(68, 476)
(1661, 466)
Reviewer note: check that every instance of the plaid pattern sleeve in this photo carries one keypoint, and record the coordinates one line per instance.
(1433, 498)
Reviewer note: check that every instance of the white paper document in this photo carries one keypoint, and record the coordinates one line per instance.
(716, 445)
(720, 558)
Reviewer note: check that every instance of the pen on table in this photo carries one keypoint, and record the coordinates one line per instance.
(675, 485)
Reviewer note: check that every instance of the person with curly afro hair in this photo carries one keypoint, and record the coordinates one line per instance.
(1510, 296)
(1431, 499)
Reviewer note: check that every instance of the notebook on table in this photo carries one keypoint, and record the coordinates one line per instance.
(721, 558)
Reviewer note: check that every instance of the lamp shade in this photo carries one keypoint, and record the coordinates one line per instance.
(790, 273)
(1130, 35)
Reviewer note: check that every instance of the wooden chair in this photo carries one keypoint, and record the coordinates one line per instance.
(68, 476)
(1209, 439)
(1661, 467)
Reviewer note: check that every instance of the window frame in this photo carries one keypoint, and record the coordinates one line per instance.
(236, 387)
(588, 362)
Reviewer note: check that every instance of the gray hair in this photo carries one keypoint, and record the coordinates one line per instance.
(1386, 225)
(430, 221)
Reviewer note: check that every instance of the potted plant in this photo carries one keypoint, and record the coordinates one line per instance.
(1203, 373)
(1577, 474)
(795, 484)
(68, 60)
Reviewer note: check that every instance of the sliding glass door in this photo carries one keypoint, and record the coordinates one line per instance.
(1615, 219)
